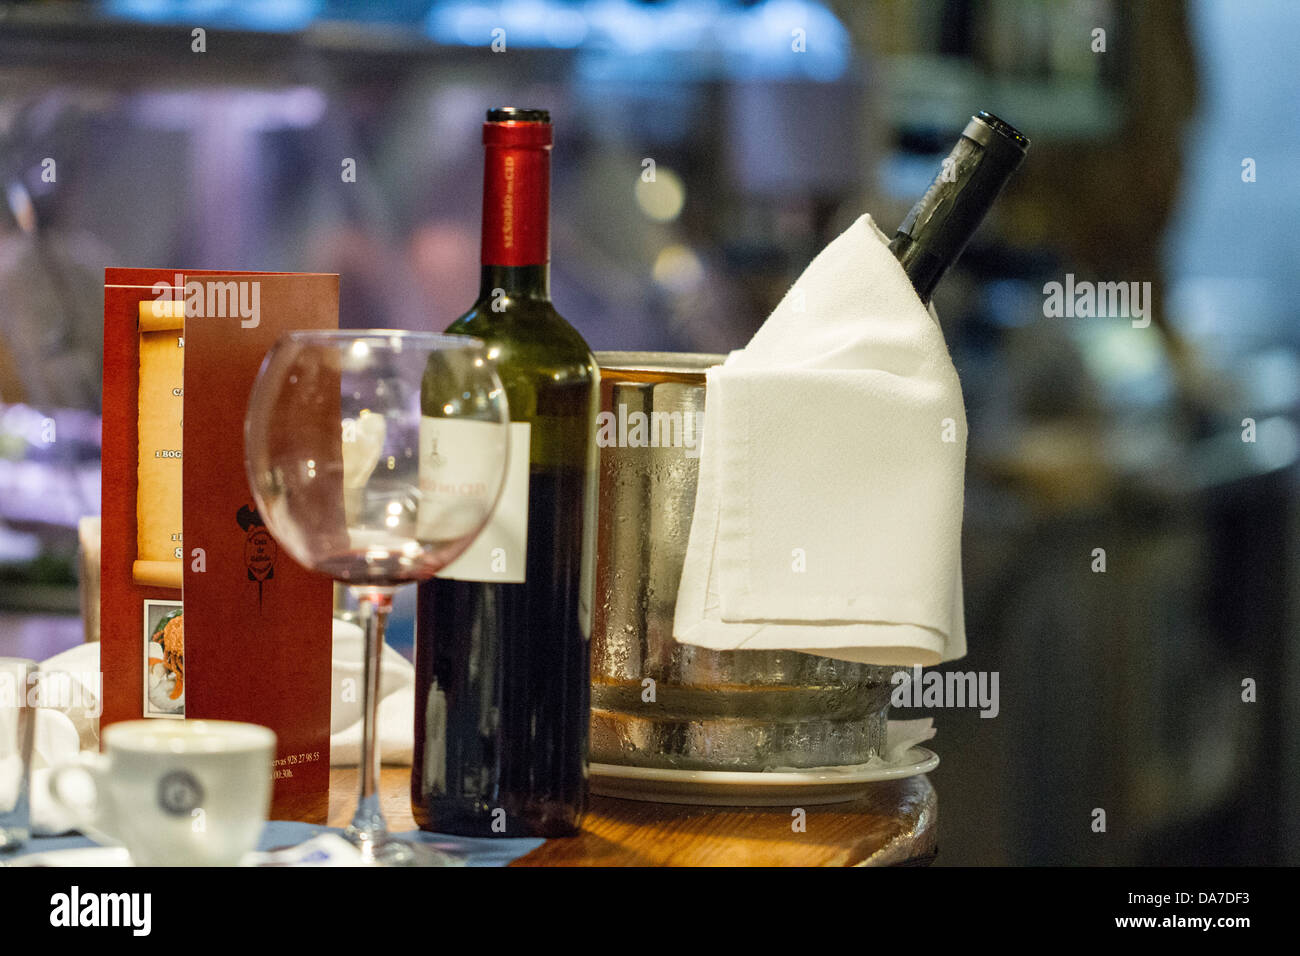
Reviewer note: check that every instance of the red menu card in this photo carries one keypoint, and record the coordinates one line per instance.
(202, 615)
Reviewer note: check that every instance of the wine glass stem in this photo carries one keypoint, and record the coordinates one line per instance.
(368, 826)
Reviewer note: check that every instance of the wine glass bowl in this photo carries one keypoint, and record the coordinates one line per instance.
(376, 457)
(335, 436)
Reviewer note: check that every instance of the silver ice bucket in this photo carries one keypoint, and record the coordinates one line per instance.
(657, 703)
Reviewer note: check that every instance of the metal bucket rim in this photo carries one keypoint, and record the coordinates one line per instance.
(663, 363)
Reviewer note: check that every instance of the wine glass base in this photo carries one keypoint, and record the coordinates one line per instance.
(389, 851)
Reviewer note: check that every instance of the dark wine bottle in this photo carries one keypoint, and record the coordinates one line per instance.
(937, 229)
(502, 634)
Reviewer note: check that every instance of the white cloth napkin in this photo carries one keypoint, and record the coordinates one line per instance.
(828, 515)
(396, 717)
(61, 733)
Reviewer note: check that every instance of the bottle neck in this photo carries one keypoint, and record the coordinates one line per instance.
(517, 282)
(517, 201)
(922, 266)
(937, 229)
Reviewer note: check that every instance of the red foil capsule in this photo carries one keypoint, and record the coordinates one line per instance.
(516, 193)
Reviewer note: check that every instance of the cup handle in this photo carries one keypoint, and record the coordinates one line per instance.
(93, 818)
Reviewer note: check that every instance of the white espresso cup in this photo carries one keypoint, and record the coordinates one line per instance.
(173, 792)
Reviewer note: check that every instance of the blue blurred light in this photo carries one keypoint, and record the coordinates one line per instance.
(266, 15)
(714, 36)
(566, 28)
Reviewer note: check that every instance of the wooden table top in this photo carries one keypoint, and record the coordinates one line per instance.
(894, 823)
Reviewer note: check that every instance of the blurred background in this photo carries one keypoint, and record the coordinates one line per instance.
(1164, 152)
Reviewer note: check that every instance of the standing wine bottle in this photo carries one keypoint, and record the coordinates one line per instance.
(502, 634)
(937, 229)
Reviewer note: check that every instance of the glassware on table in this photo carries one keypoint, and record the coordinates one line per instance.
(354, 481)
(17, 729)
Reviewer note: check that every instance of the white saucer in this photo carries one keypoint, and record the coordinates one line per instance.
(731, 788)
(77, 856)
(88, 856)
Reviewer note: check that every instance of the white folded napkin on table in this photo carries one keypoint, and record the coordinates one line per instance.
(60, 734)
(828, 515)
(395, 729)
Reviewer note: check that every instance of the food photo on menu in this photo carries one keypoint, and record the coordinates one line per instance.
(164, 658)
(650, 433)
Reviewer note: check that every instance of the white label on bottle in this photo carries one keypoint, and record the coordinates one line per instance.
(460, 471)
(500, 553)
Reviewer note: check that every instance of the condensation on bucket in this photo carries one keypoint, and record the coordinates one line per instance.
(658, 703)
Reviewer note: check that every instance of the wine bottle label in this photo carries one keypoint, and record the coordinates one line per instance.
(499, 553)
(459, 470)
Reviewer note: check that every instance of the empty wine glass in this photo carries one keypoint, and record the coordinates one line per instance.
(376, 457)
